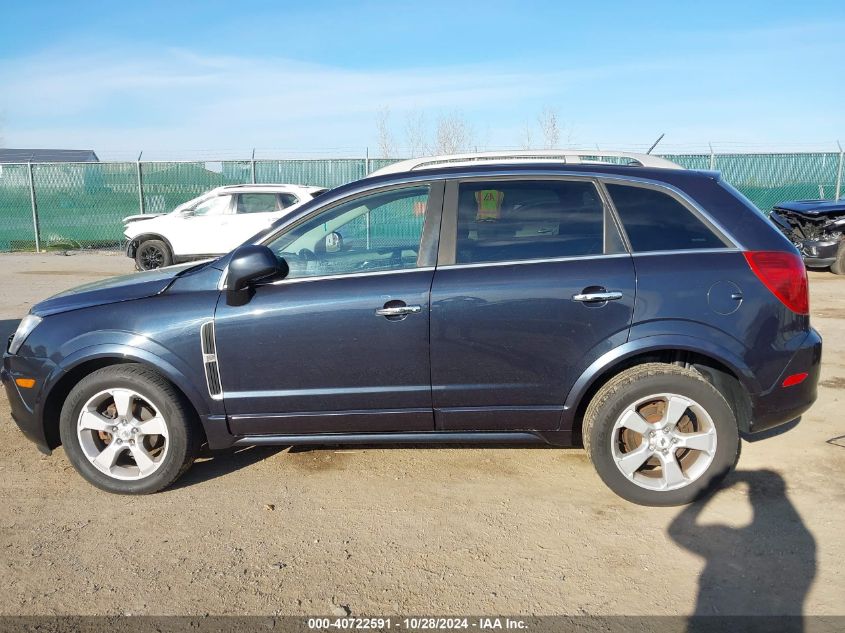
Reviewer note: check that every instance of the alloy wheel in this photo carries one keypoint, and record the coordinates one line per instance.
(663, 441)
(151, 257)
(123, 434)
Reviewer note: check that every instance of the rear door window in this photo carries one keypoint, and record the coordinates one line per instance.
(512, 220)
(256, 203)
(655, 221)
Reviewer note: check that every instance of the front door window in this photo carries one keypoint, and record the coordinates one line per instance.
(376, 232)
(218, 205)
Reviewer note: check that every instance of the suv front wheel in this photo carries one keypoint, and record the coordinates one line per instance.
(660, 435)
(127, 430)
(152, 254)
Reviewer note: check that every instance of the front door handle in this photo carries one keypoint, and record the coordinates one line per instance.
(589, 297)
(395, 311)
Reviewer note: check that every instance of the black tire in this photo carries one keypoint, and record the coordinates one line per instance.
(184, 437)
(628, 387)
(838, 266)
(152, 254)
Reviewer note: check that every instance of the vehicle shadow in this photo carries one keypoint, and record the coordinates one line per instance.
(7, 328)
(764, 568)
(213, 464)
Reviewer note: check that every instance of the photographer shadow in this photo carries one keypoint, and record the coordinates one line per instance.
(765, 568)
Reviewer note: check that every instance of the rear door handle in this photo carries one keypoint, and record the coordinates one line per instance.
(589, 297)
(394, 311)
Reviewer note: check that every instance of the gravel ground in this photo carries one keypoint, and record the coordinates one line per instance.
(392, 531)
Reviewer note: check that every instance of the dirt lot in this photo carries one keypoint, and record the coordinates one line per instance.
(421, 531)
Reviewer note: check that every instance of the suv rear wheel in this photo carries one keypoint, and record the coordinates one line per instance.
(127, 430)
(153, 254)
(660, 435)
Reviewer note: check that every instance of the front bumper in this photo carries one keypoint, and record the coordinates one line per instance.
(26, 404)
(781, 405)
(131, 247)
(818, 253)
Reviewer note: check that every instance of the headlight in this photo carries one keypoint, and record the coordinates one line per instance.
(24, 329)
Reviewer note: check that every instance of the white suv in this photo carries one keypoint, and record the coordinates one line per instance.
(210, 225)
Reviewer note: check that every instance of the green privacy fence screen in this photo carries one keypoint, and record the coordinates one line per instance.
(81, 205)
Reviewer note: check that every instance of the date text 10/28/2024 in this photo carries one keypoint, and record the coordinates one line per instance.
(416, 624)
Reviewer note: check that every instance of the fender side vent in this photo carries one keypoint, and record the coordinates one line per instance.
(209, 360)
(207, 332)
(213, 378)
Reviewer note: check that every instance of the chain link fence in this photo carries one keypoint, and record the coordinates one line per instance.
(81, 205)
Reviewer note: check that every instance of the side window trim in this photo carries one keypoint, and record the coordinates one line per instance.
(729, 243)
(372, 273)
(447, 253)
(432, 225)
(611, 216)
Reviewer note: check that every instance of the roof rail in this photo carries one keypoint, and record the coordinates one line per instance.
(259, 184)
(569, 157)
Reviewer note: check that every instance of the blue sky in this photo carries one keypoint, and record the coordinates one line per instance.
(191, 79)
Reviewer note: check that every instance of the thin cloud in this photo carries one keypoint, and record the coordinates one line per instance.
(177, 97)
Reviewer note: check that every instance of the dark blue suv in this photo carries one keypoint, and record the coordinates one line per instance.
(651, 314)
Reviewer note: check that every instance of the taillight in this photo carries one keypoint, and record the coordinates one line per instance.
(785, 275)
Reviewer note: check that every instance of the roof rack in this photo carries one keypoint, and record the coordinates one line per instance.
(259, 184)
(569, 157)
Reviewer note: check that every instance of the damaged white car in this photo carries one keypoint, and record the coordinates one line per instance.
(210, 225)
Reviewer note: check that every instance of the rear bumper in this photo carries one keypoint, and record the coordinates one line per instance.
(781, 405)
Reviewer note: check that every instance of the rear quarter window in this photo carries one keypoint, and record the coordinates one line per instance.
(287, 200)
(655, 221)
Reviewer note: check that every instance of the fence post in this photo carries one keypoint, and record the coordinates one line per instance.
(34, 203)
(140, 184)
(367, 163)
(839, 173)
(712, 158)
(252, 165)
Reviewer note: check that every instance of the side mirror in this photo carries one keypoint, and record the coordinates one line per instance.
(333, 242)
(250, 264)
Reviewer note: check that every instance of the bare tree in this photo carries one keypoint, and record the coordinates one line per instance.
(386, 146)
(549, 127)
(526, 137)
(416, 134)
(452, 135)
